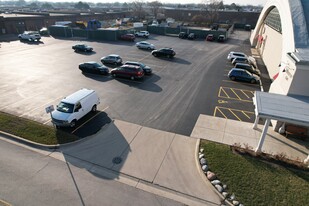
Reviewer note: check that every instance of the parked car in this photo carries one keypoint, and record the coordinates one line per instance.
(246, 60)
(127, 37)
(93, 67)
(183, 35)
(232, 55)
(165, 52)
(111, 59)
(142, 34)
(146, 69)
(144, 45)
(221, 38)
(248, 67)
(210, 37)
(243, 75)
(30, 36)
(44, 31)
(192, 36)
(128, 71)
(74, 107)
(82, 48)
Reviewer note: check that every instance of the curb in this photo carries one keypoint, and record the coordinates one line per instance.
(203, 176)
(44, 146)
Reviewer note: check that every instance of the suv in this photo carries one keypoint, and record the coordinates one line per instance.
(128, 71)
(167, 52)
(248, 67)
(82, 47)
(111, 59)
(243, 75)
(192, 36)
(146, 69)
(93, 67)
(221, 38)
(30, 36)
(210, 37)
(232, 55)
(142, 34)
(127, 37)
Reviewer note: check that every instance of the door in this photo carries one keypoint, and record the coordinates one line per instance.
(78, 111)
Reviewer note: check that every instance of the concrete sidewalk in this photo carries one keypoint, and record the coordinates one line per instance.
(152, 160)
(229, 132)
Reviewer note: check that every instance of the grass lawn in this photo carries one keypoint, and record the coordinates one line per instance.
(33, 131)
(256, 182)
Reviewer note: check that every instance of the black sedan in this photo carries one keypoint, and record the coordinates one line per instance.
(93, 67)
(165, 52)
(82, 48)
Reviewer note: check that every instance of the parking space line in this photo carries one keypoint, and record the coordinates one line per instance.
(215, 112)
(235, 115)
(89, 120)
(245, 94)
(235, 93)
(221, 89)
(235, 82)
(238, 110)
(25, 99)
(244, 113)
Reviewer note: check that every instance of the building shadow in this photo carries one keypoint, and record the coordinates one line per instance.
(102, 154)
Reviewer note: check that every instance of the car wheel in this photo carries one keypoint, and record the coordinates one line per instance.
(169, 56)
(73, 123)
(253, 81)
(154, 54)
(148, 48)
(115, 75)
(232, 78)
(94, 108)
(132, 78)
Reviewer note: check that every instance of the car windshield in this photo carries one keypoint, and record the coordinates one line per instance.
(65, 107)
(96, 64)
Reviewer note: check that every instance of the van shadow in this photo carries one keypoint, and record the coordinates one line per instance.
(89, 125)
(102, 154)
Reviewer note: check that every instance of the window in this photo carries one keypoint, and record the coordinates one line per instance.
(273, 20)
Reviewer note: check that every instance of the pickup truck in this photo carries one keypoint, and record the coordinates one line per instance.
(30, 36)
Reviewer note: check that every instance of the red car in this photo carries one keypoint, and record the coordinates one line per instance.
(128, 71)
(128, 37)
(210, 37)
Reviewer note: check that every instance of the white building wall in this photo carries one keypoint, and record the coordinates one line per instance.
(270, 49)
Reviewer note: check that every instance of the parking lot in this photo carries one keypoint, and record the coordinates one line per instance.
(36, 75)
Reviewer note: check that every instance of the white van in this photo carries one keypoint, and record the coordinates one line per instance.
(74, 107)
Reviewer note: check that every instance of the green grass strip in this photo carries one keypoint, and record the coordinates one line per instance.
(33, 131)
(256, 182)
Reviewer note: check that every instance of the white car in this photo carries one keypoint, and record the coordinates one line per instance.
(145, 45)
(232, 55)
(142, 34)
(30, 36)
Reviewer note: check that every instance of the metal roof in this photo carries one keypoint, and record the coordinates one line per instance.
(291, 109)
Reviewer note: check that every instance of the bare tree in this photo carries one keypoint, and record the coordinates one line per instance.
(155, 7)
(211, 9)
(138, 10)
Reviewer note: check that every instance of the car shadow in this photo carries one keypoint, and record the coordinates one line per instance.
(85, 53)
(147, 83)
(98, 77)
(31, 42)
(103, 154)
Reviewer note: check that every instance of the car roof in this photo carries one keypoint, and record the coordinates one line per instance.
(243, 64)
(130, 66)
(113, 55)
(91, 62)
(131, 62)
(233, 52)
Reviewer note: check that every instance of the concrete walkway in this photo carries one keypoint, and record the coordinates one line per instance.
(229, 132)
(156, 161)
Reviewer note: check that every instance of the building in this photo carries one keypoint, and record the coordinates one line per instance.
(282, 39)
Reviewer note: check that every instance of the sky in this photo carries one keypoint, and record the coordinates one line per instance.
(238, 2)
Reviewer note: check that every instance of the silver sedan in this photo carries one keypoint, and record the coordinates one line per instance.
(145, 45)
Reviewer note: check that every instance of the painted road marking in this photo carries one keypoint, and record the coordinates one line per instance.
(4, 203)
(225, 112)
(89, 120)
(236, 94)
(222, 101)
